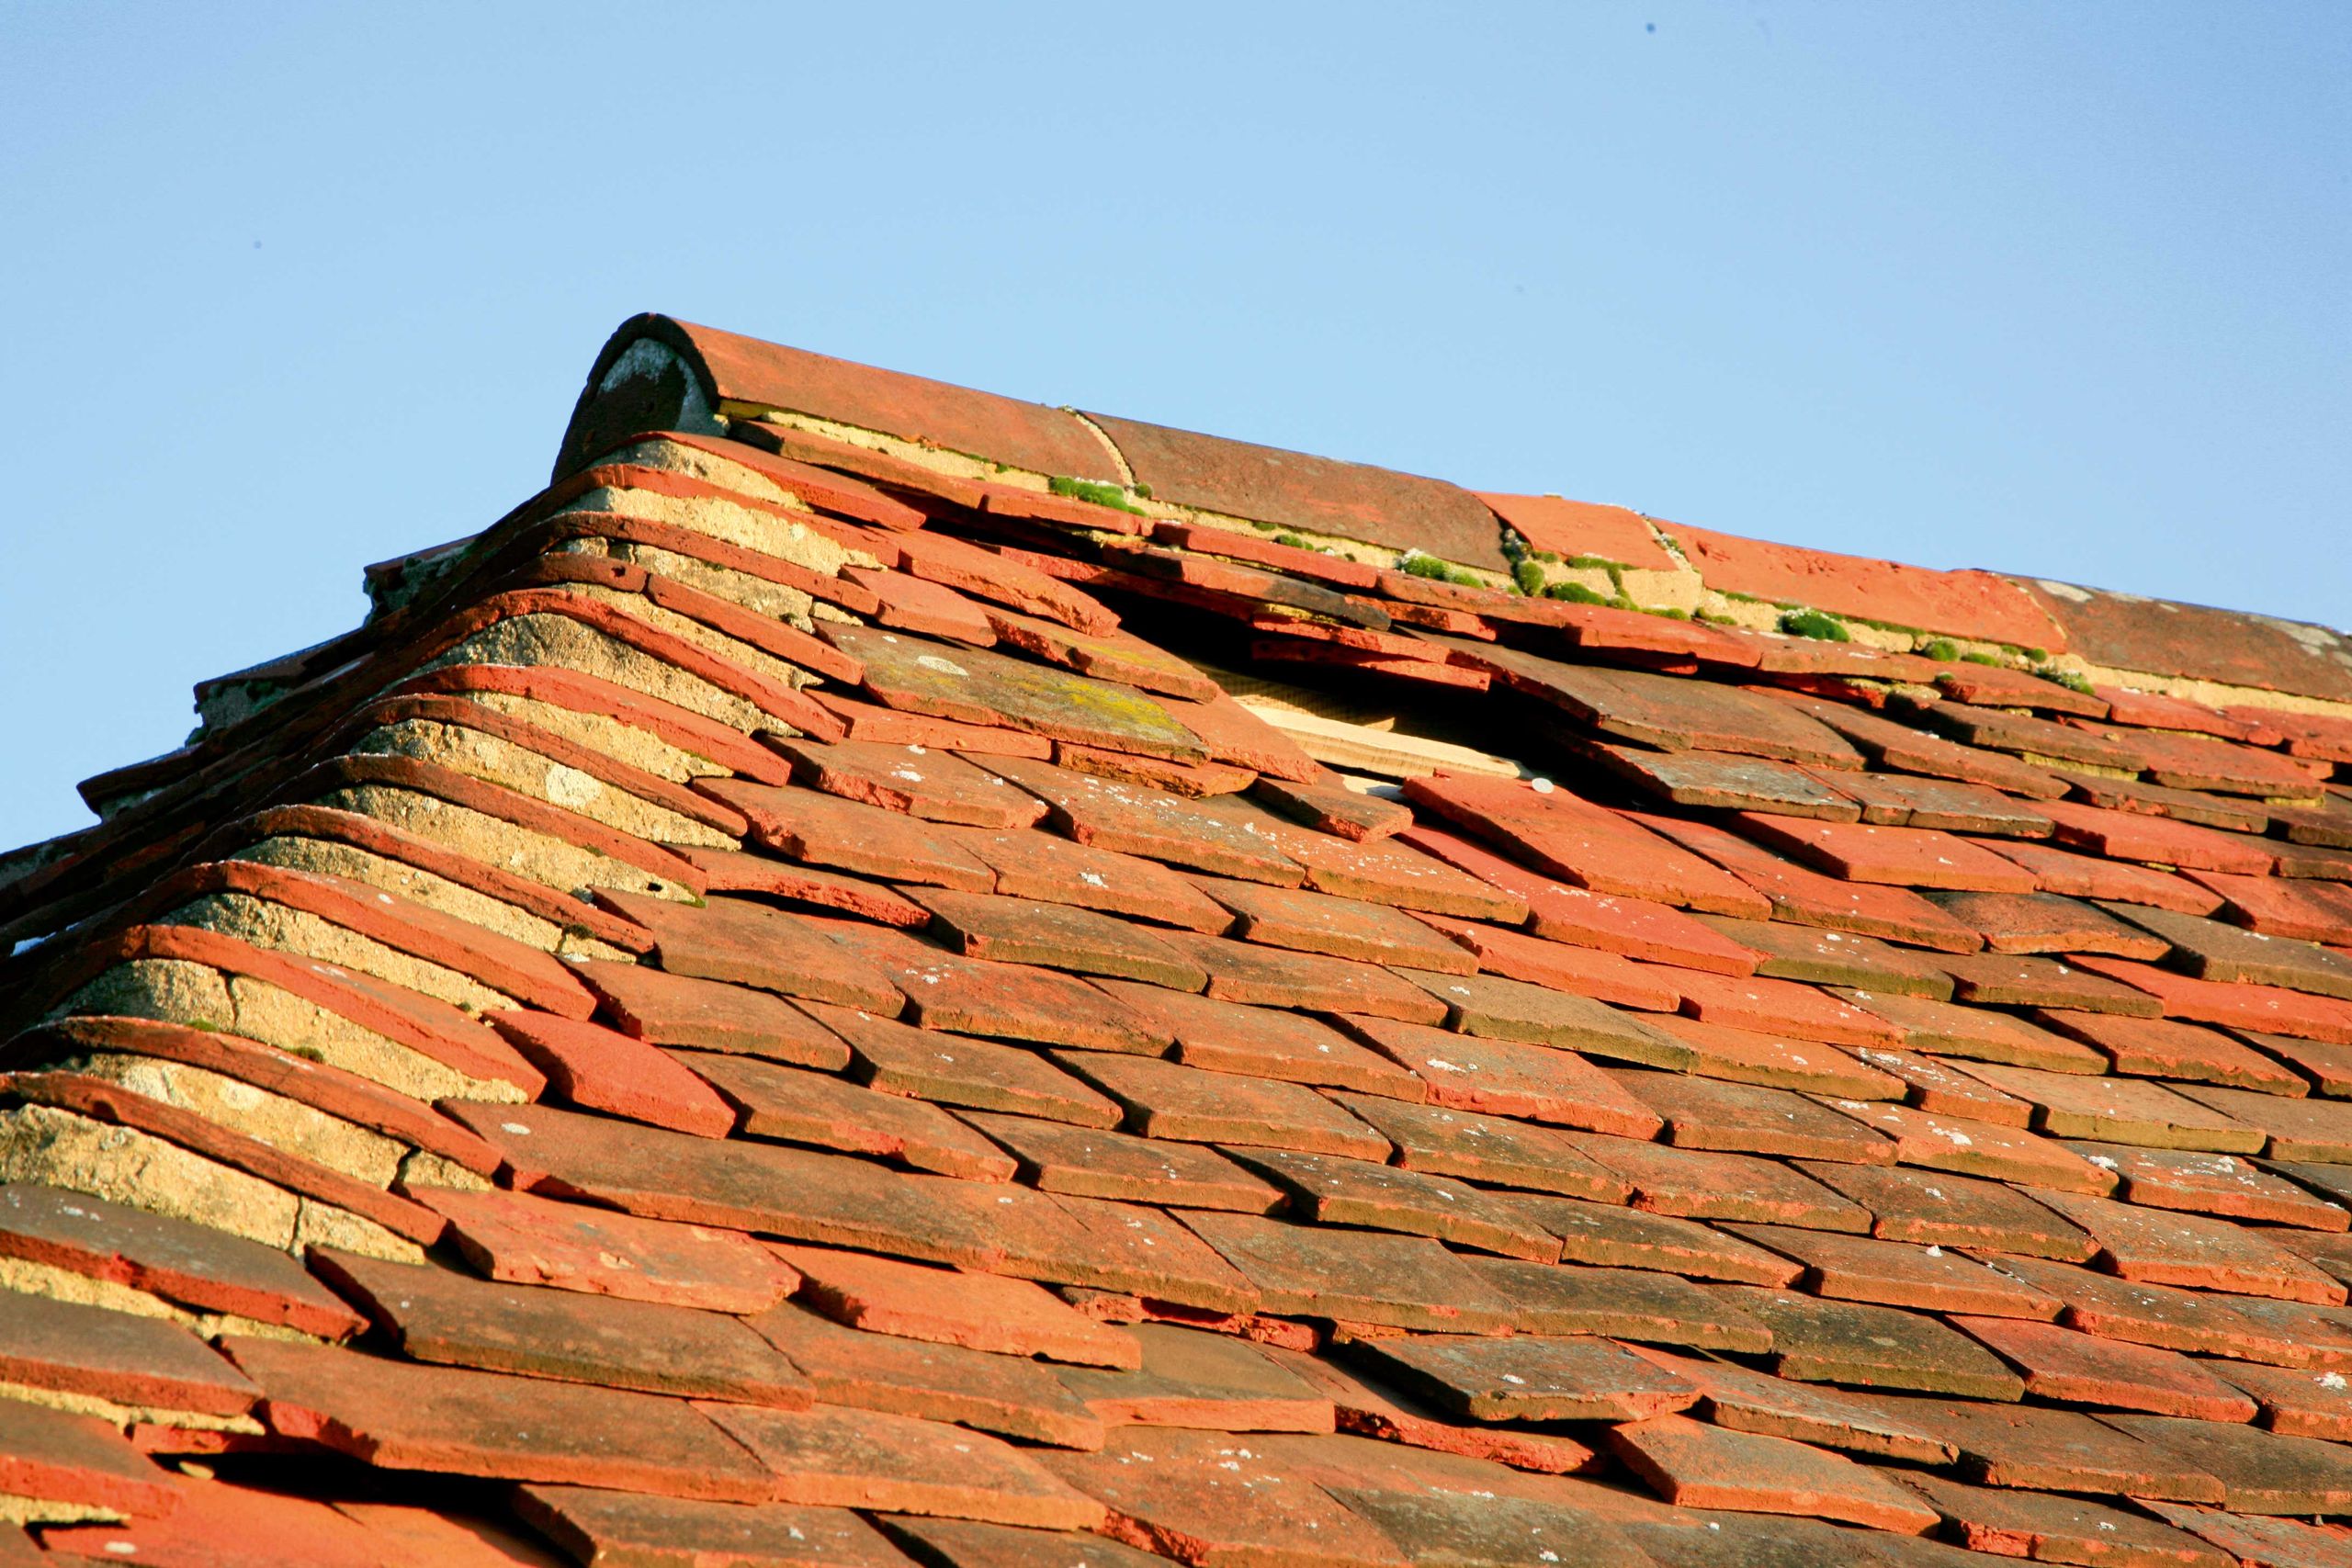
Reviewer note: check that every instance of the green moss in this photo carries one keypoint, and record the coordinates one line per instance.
(308, 1053)
(1091, 490)
(1575, 593)
(1143, 490)
(1293, 541)
(1943, 650)
(1740, 598)
(1548, 556)
(1436, 570)
(2069, 679)
(1814, 625)
(1670, 613)
(1593, 563)
(1980, 658)
(1528, 578)
(2037, 654)
(1708, 617)
(1263, 527)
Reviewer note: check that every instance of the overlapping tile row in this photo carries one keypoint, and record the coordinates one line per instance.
(747, 1016)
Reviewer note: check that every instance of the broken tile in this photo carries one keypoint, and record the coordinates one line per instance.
(669, 1010)
(1888, 1273)
(1988, 979)
(1334, 808)
(1773, 1061)
(1449, 1527)
(735, 871)
(2281, 1543)
(1338, 1191)
(1940, 1089)
(946, 1306)
(1698, 1184)
(2296, 1401)
(956, 1069)
(2318, 1130)
(1188, 1378)
(1506, 1079)
(1699, 1466)
(2157, 841)
(2264, 1008)
(1088, 1163)
(1658, 710)
(1376, 1410)
(603, 1069)
(2073, 1367)
(964, 1543)
(1057, 936)
(1528, 1377)
(1873, 1346)
(535, 1241)
(812, 1108)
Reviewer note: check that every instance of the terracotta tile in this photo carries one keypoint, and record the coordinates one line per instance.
(1977, 1034)
(2086, 877)
(437, 1315)
(2328, 1069)
(920, 781)
(1610, 1237)
(1164, 1100)
(618, 1527)
(1658, 710)
(2261, 1472)
(180, 1260)
(65, 1348)
(1622, 1303)
(1335, 1191)
(1978, 1148)
(1341, 928)
(1732, 1397)
(2159, 1048)
(887, 727)
(603, 1069)
(2321, 736)
(1260, 1042)
(1360, 1276)
(2331, 1181)
(2269, 906)
(55, 1456)
(812, 1108)
(2075, 1368)
(1057, 936)
(1140, 1250)
(733, 871)
(832, 1457)
(1816, 1340)
(1333, 808)
(939, 558)
(1902, 748)
(1520, 958)
(2190, 761)
(2142, 1314)
(1581, 527)
(2280, 1542)
(1711, 779)
(2153, 710)
(1208, 539)
(902, 1376)
(956, 1069)
(1706, 1467)
(1940, 1089)
(2191, 1250)
(1450, 1528)
(1192, 780)
(2200, 1183)
(2134, 836)
(962, 1543)
(2296, 1401)
(1905, 800)
(2212, 950)
(2266, 1008)
(671, 1009)
(2315, 1129)
(1789, 952)
(1386, 871)
(1237, 737)
(749, 944)
(1901, 857)
(1379, 1411)
(1635, 928)
(524, 1240)
(1208, 1499)
(1998, 686)
(400, 1415)
(1085, 1163)
(1706, 1113)
(2235, 814)
(1696, 1184)
(1490, 1149)
(978, 1312)
(1012, 1001)
(1055, 871)
(1131, 819)
(1896, 1274)
(1528, 1377)
(210, 1525)
(2057, 1450)
(2120, 1111)
(1604, 852)
(1937, 1209)
(2038, 740)
(1774, 1061)
(1784, 1006)
(2001, 980)
(2003, 1522)
(847, 835)
(1240, 972)
(1507, 1078)
(2046, 923)
(1188, 1378)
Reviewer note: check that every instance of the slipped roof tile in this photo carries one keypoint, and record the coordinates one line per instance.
(921, 780)
(1164, 1100)
(958, 1070)
(1090, 1163)
(1398, 1282)
(947, 1307)
(663, 1009)
(1608, 1236)
(1012, 1001)
(1057, 936)
(1887, 1273)
(847, 835)
(1186, 1377)
(1701, 1466)
(1334, 1191)
(520, 1239)
(2073, 1367)
(603, 1069)
(1942, 1209)
(1898, 857)
(1496, 1150)
(1528, 1377)
(1501, 1078)
(1706, 1185)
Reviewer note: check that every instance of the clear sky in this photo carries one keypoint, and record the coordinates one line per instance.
(2062, 290)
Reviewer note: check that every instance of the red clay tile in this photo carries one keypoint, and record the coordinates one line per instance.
(1207, 1499)
(732, 871)
(1399, 1281)
(1189, 1105)
(1333, 808)
(2120, 1111)
(1058, 936)
(2159, 1048)
(2327, 1068)
(1814, 1340)
(1581, 971)
(1192, 780)
(1996, 685)
(814, 1108)
(2075, 1368)
(1261, 977)
(1658, 710)
(2191, 762)
(1706, 1113)
(1705, 779)
(1886, 1273)
(603, 1069)
(2057, 1450)
(595, 1526)
(535, 1241)
(1936, 1209)
(55, 1456)
(2231, 814)
(1784, 1006)
(1378, 1411)
(1508, 1078)
(2139, 1313)
(2269, 906)
(1188, 1378)
(1811, 898)
(887, 727)
(2261, 1472)
(1007, 1394)
(1903, 800)
(921, 780)
(1742, 1400)
(2193, 1251)
(437, 1315)
(1336, 1191)
(194, 1265)
(2281, 1543)
(1978, 1148)
(963, 1543)
(1442, 1526)
(1012, 1002)
(1085, 1163)
(955, 1069)
(1977, 1034)
(1491, 1149)
(2004, 979)
(830, 1457)
(1697, 1184)
(1610, 1237)
(1227, 1037)
(2220, 1184)
(671, 1009)
(2045, 923)
(2086, 877)
(2297, 1402)
(399, 1416)
(1790, 952)
(847, 835)
(1050, 870)
(1774, 1061)
(979, 1312)
(952, 562)
(1940, 1089)
(2320, 736)
(2042, 741)
(1207, 540)
(1706, 1467)
(749, 944)
(1132, 819)
(1340, 928)
(1528, 1377)
(1899, 748)
(1622, 1303)
(2133, 835)
(2266, 1008)
(1383, 872)
(212, 1525)
(2001, 1522)
(1901, 857)
(1582, 528)
(2212, 950)
(1636, 928)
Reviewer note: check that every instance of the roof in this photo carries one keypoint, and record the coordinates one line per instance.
(883, 974)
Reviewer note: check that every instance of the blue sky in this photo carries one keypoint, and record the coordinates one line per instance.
(2061, 289)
